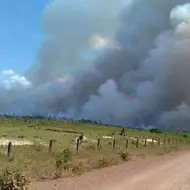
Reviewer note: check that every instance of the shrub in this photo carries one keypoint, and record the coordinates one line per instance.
(102, 163)
(36, 137)
(156, 130)
(39, 148)
(89, 146)
(60, 165)
(125, 156)
(78, 169)
(185, 135)
(13, 180)
(66, 156)
(62, 162)
(21, 136)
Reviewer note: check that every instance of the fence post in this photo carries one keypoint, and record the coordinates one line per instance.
(145, 142)
(137, 143)
(50, 145)
(127, 143)
(168, 140)
(159, 142)
(114, 144)
(98, 143)
(9, 151)
(77, 147)
(164, 141)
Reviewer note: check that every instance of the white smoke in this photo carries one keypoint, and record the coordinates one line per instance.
(180, 14)
(68, 26)
(124, 62)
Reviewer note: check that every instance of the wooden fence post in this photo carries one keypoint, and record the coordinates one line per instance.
(164, 141)
(50, 145)
(127, 143)
(114, 144)
(98, 143)
(168, 140)
(137, 143)
(159, 142)
(78, 142)
(9, 151)
(145, 142)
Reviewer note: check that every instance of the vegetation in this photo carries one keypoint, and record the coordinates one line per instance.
(155, 130)
(13, 180)
(32, 155)
(125, 156)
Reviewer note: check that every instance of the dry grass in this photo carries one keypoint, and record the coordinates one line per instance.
(38, 164)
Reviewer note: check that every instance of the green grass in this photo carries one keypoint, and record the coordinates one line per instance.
(39, 164)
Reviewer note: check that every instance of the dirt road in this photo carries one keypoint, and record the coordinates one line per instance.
(169, 172)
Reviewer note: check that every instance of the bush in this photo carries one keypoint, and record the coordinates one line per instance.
(78, 169)
(13, 180)
(102, 163)
(21, 136)
(66, 156)
(185, 135)
(39, 148)
(155, 130)
(125, 156)
(62, 162)
(89, 146)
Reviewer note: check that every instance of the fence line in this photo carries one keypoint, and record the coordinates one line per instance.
(164, 142)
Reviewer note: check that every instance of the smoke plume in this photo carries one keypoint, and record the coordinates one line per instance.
(122, 62)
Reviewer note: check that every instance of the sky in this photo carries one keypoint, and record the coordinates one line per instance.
(20, 33)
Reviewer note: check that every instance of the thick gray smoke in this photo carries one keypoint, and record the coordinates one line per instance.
(124, 62)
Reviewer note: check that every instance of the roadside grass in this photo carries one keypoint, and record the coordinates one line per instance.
(39, 164)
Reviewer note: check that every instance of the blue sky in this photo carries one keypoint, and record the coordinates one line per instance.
(20, 33)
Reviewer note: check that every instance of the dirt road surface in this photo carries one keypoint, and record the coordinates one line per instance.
(168, 172)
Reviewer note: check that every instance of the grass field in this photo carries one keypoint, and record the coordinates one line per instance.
(30, 139)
